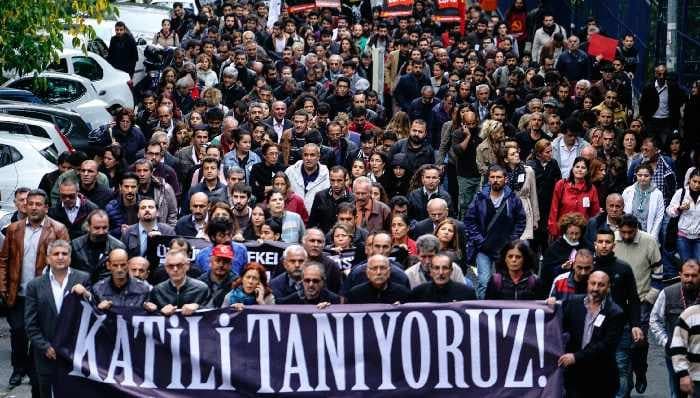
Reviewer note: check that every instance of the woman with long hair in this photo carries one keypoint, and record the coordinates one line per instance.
(399, 234)
(515, 277)
(182, 135)
(262, 173)
(599, 171)
(559, 256)
(257, 218)
(377, 192)
(112, 164)
(166, 37)
(250, 288)
(547, 173)
(574, 194)
(645, 201)
(447, 233)
(292, 224)
(127, 134)
(492, 135)
(241, 156)
(378, 172)
(400, 124)
(521, 180)
(685, 204)
(292, 201)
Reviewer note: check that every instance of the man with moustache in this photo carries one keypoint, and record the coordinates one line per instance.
(416, 149)
(119, 289)
(574, 282)
(219, 277)
(90, 251)
(441, 288)
(194, 224)
(135, 237)
(123, 210)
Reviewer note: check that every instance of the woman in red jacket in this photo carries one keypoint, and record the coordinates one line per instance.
(292, 201)
(575, 194)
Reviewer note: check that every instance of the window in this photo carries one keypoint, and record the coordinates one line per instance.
(59, 91)
(8, 155)
(87, 67)
(13, 128)
(32, 114)
(37, 131)
(97, 46)
(61, 66)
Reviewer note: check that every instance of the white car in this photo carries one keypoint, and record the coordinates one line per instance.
(29, 127)
(68, 91)
(23, 162)
(113, 85)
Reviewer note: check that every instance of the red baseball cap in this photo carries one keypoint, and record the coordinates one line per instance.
(224, 251)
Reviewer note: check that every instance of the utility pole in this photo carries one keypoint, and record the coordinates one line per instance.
(671, 36)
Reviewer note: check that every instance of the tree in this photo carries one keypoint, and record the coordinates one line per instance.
(32, 30)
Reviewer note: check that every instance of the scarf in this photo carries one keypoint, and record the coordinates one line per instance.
(515, 181)
(239, 296)
(640, 203)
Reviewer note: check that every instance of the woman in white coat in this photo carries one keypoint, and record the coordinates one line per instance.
(521, 179)
(645, 201)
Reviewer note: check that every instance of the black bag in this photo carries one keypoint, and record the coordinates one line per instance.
(671, 238)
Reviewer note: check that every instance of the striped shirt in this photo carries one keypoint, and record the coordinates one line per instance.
(685, 344)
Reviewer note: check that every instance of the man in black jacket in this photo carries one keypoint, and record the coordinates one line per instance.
(624, 293)
(441, 288)
(179, 291)
(325, 207)
(90, 251)
(378, 289)
(594, 323)
(119, 288)
(430, 189)
(660, 104)
(314, 290)
(123, 53)
(289, 281)
(194, 224)
(73, 208)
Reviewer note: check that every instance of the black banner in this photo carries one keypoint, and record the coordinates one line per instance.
(475, 349)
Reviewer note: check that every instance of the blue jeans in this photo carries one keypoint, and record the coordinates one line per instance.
(484, 269)
(672, 380)
(688, 248)
(624, 363)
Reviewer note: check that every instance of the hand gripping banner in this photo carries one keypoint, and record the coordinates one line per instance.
(475, 349)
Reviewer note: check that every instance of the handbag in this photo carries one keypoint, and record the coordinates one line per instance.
(470, 250)
(671, 238)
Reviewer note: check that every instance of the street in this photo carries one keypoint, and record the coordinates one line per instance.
(656, 375)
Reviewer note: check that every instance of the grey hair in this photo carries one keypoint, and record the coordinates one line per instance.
(58, 243)
(234, 170)
(428, 243)
(294, 248)
(483, 86)
(318, 265)
(585, 83)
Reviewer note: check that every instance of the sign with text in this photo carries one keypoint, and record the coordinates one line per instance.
(479, 349)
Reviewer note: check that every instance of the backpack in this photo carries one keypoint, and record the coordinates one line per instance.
(497, 279)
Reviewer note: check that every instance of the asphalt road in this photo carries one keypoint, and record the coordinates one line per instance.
(658, 385)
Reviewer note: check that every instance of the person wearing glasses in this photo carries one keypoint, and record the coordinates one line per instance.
(179, 291)
(313, 281)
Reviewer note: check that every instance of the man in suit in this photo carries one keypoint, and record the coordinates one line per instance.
(438, 210)
(193, 224)
(289, 282)
(594, 323)
(73, 208)
(136, 236)
(482, 105)
(430, 189)
(191, 155)
(277, 120)
(22, 258)
(44, 297)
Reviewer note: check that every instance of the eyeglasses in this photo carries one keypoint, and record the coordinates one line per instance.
(312, 280)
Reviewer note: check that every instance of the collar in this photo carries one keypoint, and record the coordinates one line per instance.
(126, 285)
(142, 229)
(618, 237)
(76, 207)
(428, 193)
(53, 278)
(41, 224)
(204, 222)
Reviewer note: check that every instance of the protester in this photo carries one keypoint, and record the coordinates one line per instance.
(179, 291)
(250, 288)
(379, 288)
(119, 288)
(314, 291)
(442, 288)
(514, 277)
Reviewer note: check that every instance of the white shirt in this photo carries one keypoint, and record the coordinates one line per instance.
(567, 157)
(72, 213)
(279, 128)
(31, 248)
(58, 289)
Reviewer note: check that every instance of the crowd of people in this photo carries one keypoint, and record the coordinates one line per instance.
(502, 163)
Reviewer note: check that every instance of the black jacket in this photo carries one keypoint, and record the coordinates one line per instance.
(418, 202)
(261, 177)
(649, 102)
(123, 53)
(554, 257)
(595, 372)
(324, 211)
(185, 226)
(86, 257)
(133, 294)
(623, 288)
(218, 290)
(193, 291)
(297, 298)
(545, 179)
(283, 286)
(529, 287)
(365, 293)
(100, 195)
(452, 291)
(414, 158)
(75, 228)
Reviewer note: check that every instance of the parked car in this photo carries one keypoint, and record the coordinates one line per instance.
(70, 123)
(112, 85)
(29, 127)
(24, 159)
(14, 94)
(67, 91)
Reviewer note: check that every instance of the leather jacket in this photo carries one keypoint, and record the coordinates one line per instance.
(192, 291)
(133, 294)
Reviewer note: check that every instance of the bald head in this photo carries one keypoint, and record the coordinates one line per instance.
(589, 153)
(437, 209)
